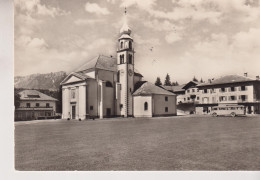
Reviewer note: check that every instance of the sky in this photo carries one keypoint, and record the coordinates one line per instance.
(202, 38)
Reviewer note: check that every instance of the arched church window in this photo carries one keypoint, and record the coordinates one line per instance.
(145, 106)
(121, 45)
(109, 84)
(122, 59)
(130, 59)
(130, 45)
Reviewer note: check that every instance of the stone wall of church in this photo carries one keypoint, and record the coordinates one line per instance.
(139, 106)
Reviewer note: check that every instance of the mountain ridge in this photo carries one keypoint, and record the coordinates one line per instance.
(50, 81)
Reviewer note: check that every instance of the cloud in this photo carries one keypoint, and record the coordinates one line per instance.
(142, 4)
(95, 8)
(214, 11)
(146, 41)
(81, 22)
(36, 7)
(30, 43)
(111, 1)
(173, 37)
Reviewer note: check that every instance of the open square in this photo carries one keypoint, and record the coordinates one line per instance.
(169, 143)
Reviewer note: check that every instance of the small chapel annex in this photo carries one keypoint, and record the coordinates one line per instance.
(108, 87)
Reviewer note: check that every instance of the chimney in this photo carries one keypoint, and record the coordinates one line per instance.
(257, 78)
(245, 74)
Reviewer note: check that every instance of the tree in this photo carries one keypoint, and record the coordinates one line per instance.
(167, 81)
(201, 80)
(195, 79)
(175, 83)
(16, 100)
(158, 81)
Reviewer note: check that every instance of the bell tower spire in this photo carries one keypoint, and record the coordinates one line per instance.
(125, 66)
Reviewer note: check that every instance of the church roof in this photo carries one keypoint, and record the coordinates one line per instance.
(100, 62)
(31, 94)
(227, 80)
(125, 29)
(148, 88)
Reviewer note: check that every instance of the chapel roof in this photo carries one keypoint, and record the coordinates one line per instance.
(147, 88)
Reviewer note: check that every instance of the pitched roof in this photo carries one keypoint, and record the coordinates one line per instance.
(77, 74)
(138, 74)
(175, 88)
(148, 88)
(30, 94)
(227, 80)
(189, 84)
(100, 62)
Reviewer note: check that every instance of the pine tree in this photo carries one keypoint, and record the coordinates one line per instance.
(201, 80)
(195, 79)
(16, 100)
(158, 81)
(167, 81)
(176, 83)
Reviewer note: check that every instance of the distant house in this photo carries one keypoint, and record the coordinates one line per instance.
(34, 105)
(230, 89)
(178, 90)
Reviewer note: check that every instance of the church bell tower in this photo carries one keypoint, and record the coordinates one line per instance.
(125, 67)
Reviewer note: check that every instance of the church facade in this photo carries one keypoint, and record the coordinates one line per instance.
(108, 87)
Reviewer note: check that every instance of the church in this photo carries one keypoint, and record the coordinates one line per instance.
(109, 87)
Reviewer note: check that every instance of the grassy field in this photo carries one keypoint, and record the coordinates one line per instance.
(172, 143)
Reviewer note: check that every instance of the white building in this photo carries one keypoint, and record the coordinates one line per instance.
(35, 105)
(230, 89)
(104, 87)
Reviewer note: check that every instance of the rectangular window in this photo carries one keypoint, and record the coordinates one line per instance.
(184, 99)
(28, 105)
(198, 98)
(243, 97)
(232, 89)
(47, 104)
(188, 91)
(166, 98)
(232, 98)
(222, 89)
(205, 91)
(193, 90)
(243, 88)
(73, 93)
(198, 90)
(91, 108)
(222, 98)
(166, 109)
(37, 104)
(188, 98)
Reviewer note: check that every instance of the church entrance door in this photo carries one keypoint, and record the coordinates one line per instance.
(108, 112)
(73, 109)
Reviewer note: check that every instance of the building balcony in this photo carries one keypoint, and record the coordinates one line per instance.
(34, 108)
